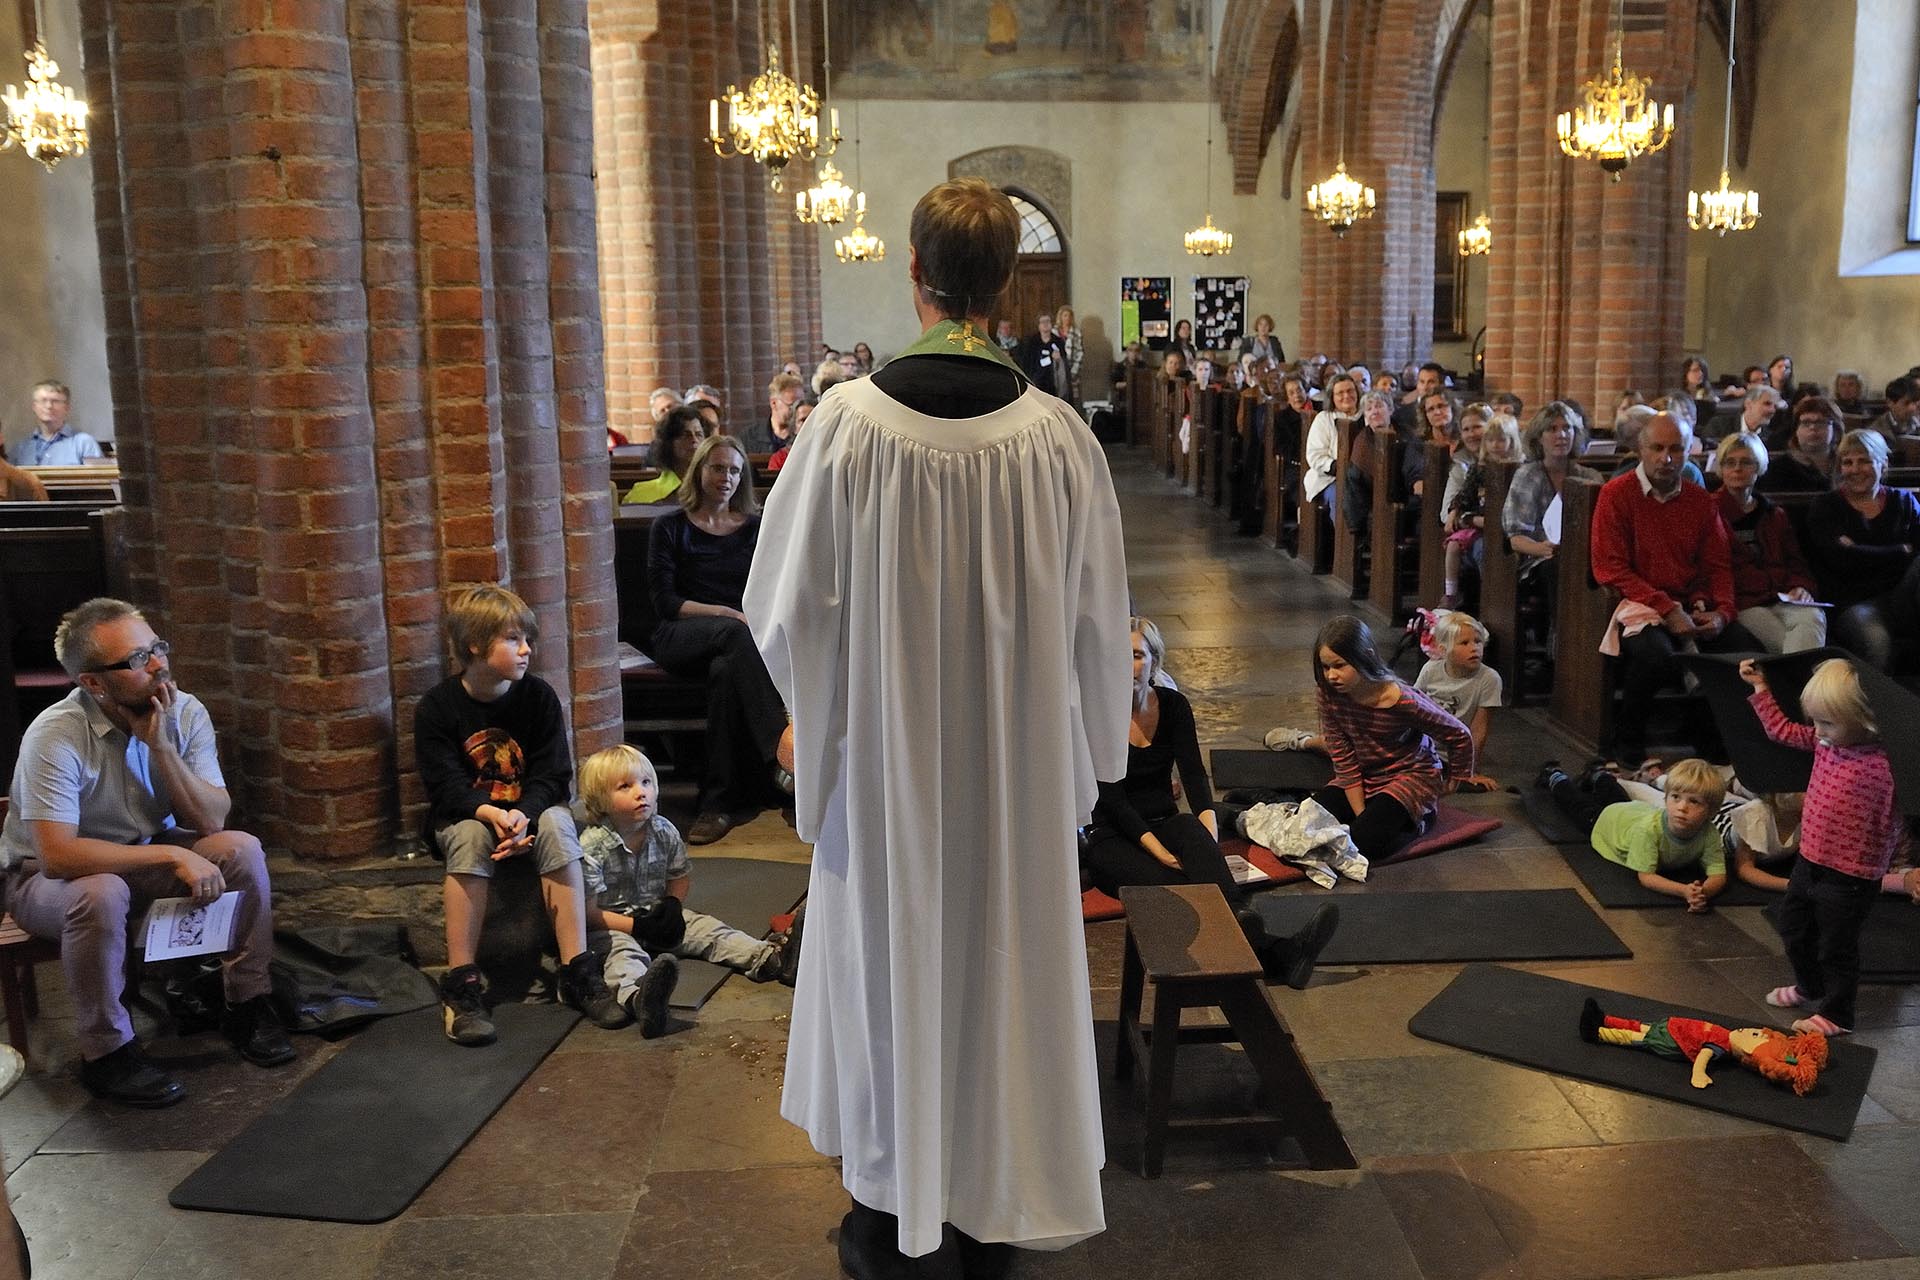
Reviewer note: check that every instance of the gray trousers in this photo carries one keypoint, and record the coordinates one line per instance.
(707, 939)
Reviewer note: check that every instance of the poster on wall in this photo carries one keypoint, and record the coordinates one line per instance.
(1146, 310)
(1219, 311)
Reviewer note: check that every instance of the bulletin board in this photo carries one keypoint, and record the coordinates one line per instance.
(1219, 311)
(1146, 310)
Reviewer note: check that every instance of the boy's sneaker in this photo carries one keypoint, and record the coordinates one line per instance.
(1550, 773)
(463, 1002)
(582, 987)
(648, 1003)
(1287, 739)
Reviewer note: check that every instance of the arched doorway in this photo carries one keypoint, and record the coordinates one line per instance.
(1040, 274)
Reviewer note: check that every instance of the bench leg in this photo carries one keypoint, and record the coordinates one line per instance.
(14, 983)
(1166, 1040)
(1270, 1048)
(1132, 983)
(30, 992)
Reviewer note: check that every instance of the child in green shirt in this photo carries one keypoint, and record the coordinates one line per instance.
(1674, 848)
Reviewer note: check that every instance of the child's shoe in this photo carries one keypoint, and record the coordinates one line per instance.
(463, 1001)
(782, 964)
(1788, 998)
(1821, 1023)
(1285, 738)
(582, 987)
(648, 1003)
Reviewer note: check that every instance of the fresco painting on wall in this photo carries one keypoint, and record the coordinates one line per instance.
(1042, 50)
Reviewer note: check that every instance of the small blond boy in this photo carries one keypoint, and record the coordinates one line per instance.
(637, 878)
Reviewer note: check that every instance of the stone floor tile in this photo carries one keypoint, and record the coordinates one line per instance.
(232, 1246)
(1669, 933)
(1620, 1115)
(1880, 1005)
(576, 1137)
(1362, 1012)
(1876, 1169)
(706, 1224)
(522, 1246)
(44, 1100)
(1877, 1269)
(1442, 1219)
(1389, 1106)
(725, 1110)
(97, 1217)
(1896, 1072)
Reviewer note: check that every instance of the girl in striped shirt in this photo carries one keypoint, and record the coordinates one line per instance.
(1395, 752)
(1848, 831)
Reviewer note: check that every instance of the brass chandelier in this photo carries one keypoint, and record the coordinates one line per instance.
(775, 119)
(1477, 240)
(828, 201)
(859, 245)
(1338, 199)
(1209, 241)
(1724, 210)
(1616, 123)
(44, 119)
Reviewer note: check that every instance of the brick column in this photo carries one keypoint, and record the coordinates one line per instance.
(315, 265)
(706, 275)
(1586, 285)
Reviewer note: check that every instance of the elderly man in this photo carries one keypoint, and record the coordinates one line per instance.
(118, 800)
(660, 401)
(54, 443)
(1657, 539)
(1755, 417)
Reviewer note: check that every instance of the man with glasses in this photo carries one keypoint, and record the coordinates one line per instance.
(118, 800)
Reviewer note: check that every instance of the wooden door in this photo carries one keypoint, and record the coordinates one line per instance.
(1039, 285)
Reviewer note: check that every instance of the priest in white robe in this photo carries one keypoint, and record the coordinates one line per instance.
(940, 594)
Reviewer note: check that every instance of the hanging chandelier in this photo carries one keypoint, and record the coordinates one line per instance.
(1209, 241)
(860, 245)
(1477, 240)
(1338, 199)
(1616, 123)
(775, 119)
(45, 120)
(1726, 209)
(828, 201)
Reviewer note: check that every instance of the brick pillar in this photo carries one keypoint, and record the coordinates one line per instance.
(1589, 297)
(706, 276)
(336, 242)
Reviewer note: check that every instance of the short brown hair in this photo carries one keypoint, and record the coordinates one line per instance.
(51, 385)
(477, 616)
(965, 235)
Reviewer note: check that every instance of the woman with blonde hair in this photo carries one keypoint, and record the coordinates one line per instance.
(1068, 331)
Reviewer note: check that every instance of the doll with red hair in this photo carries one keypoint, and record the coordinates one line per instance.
(1784, 1059)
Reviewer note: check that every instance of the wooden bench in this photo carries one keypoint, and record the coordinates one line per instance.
(53, 556)
(1315, 535)
(98, 484)
(666, 713)
(1184, 941)
(1346, 544)
(1432, 536)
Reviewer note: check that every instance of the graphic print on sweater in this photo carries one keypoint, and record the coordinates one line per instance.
(498, 764)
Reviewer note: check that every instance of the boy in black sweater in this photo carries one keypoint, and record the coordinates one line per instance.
(492, 748)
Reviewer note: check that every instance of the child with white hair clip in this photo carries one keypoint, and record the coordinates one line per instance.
(1849, 829)
(1458, 679)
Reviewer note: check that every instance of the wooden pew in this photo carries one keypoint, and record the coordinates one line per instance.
(1274, 477)
(1582, 700)
(97, 483)
(1500, 587)
(1139, 405)
(1433, 533)
(659, 709)
(1315, 536)
(1383, 532)
(54, 558)
(1346, 547)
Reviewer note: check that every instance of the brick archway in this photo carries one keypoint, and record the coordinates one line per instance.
(1257, 68)
(1046, 176)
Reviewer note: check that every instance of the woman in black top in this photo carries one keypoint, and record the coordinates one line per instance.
(697, 564)
(1863, 538)
(1139, 836)
(1182, 341)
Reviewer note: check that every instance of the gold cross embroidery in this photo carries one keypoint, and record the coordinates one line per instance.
(966, 338)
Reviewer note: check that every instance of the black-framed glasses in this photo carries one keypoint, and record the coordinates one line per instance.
(135, 660)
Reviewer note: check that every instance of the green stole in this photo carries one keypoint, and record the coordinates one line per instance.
(960, 338)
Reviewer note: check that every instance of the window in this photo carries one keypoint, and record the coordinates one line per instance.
(1449, 268)
(1037, 232)
(1913, 197)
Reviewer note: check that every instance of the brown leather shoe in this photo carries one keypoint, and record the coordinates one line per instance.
(709, 827)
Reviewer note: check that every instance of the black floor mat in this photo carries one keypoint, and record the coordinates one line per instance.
(1613, 885)
(1428, 928)
(1889, 941)
(365, 1134)
(1534, 1020)
(1241, 769)
(742, 892)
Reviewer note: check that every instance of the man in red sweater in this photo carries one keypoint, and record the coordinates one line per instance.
(1658, 541)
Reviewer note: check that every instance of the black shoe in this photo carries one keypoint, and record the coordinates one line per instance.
(980, 1260)
(870, 1250)
(790, 949)
(1550, 773)
(582, 987)
(1590, 1020)
(710, 827)
(1252, 926)
(124, 1076)
(649, 1001)
(254, 1028)
(463, 1000)
(1304, 947)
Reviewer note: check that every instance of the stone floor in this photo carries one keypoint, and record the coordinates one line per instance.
(1471, 1168)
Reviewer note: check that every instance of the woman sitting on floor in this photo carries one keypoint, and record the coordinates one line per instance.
(1139, 836)
(1388, 772)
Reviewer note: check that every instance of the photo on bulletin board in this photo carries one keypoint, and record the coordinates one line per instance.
(1219, 311)
(1146, 310)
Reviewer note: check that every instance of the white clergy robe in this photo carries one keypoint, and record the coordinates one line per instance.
(943, 604)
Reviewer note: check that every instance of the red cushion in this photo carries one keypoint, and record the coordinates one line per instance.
(1095, 905)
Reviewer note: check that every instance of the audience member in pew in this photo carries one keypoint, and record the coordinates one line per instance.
(698, 559)
(1463, 446)
(1371, 451)
(1902, 417)
(1673, 847)
(778, 458)
(1323, 437)
(1467, 513)
(1175, 366)
(1073, 342)
(1554, 438)
(1780, 376)
(1848, 831)
(1754, 415)
(118, 800)
(675, 439)
(1696, 381)
(1659, 542)
(1753, 373)
(1428, 379)
(1626, 441)
(1510, 404)
(775, 432)
(660, 400)
(54, 443)
(1862, 537)
(825, 375)
(1182, 342)
(638, 877)
(1262, 344)
(1010, 341)
(706, 393)
(1773, 586)
(1362, 377)
(17, 485)
(490, 742)
(1807, 465)
(1395, 752)
(863, 355)
(1849, 391)
(1138, 835)
(1461, 683)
